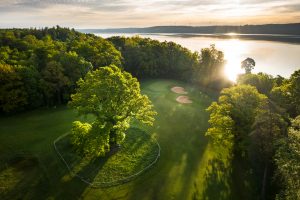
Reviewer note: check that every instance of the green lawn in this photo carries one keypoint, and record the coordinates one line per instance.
(188, 167)
(138, 152)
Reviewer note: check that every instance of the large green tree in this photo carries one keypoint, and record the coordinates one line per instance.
(114, 98)
(231, 118)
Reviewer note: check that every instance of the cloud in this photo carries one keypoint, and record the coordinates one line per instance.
(122, 13)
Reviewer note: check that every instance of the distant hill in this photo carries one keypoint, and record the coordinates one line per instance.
(287, 29)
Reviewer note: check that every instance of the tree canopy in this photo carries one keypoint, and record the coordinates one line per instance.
(211, 69)
(12, 91)
(263, 82)
(146, 58)
(114, 98)
(287, 94)
(248, 64)
(247, 121)
(40, 67)
(232, 116)
(49, 61)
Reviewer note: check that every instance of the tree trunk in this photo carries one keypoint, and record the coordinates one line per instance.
(112, 139)
(58, 97)
(263, 190)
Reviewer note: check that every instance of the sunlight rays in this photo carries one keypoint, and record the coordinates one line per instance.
(234, 51)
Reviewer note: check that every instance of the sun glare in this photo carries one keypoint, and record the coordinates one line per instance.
(231, 34)
(232, 68)
(234, 53)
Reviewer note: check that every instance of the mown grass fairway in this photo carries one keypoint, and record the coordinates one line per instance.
(187, 168)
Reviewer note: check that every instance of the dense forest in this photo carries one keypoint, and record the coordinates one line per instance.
(146, 58)
(41, 67)
(257, 119)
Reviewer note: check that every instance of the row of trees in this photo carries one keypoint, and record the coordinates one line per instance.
(41, 67)
(251, 119)
(146, 58)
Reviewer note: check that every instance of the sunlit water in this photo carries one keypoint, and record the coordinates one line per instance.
(272, 57)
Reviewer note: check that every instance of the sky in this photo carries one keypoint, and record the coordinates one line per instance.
(145, 13)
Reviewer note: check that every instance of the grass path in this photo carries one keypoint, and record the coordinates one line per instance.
(186, 168)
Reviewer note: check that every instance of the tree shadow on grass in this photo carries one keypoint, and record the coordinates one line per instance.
(217, 183)
(27, 176)
(23, 177)
(72, 185)
(123, 166)
(77, 185)
(228, 178)
(244, 180)
(180, 133)
(168, 180)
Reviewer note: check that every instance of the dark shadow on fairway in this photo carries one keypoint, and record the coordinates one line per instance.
(157, 190)
(231, 179)
(89, 172)
(218, 182)
(90, 167)
(137, 152)
(22, 176)
(244, 180)
(73, 187)
(27, 178)
(187, 157)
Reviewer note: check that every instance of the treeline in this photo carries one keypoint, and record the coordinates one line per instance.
(258, 120)
(289, 29)
(146, 58)
(40, 67)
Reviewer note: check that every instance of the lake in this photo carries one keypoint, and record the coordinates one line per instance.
(272, 56)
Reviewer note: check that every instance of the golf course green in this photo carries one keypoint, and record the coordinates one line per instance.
(189, 166)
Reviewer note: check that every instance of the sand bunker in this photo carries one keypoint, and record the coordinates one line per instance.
(178, 90)
(181, 99)
(184, 99)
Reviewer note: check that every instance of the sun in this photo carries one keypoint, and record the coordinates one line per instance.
(231, 34)
(233, 68)
(234, 55)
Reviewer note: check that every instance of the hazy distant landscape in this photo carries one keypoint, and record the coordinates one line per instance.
(273, 32)
(285, 29)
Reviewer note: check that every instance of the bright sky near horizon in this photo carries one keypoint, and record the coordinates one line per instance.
(144, 13)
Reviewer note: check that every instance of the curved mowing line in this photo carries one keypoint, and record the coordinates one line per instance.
(105, 184)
